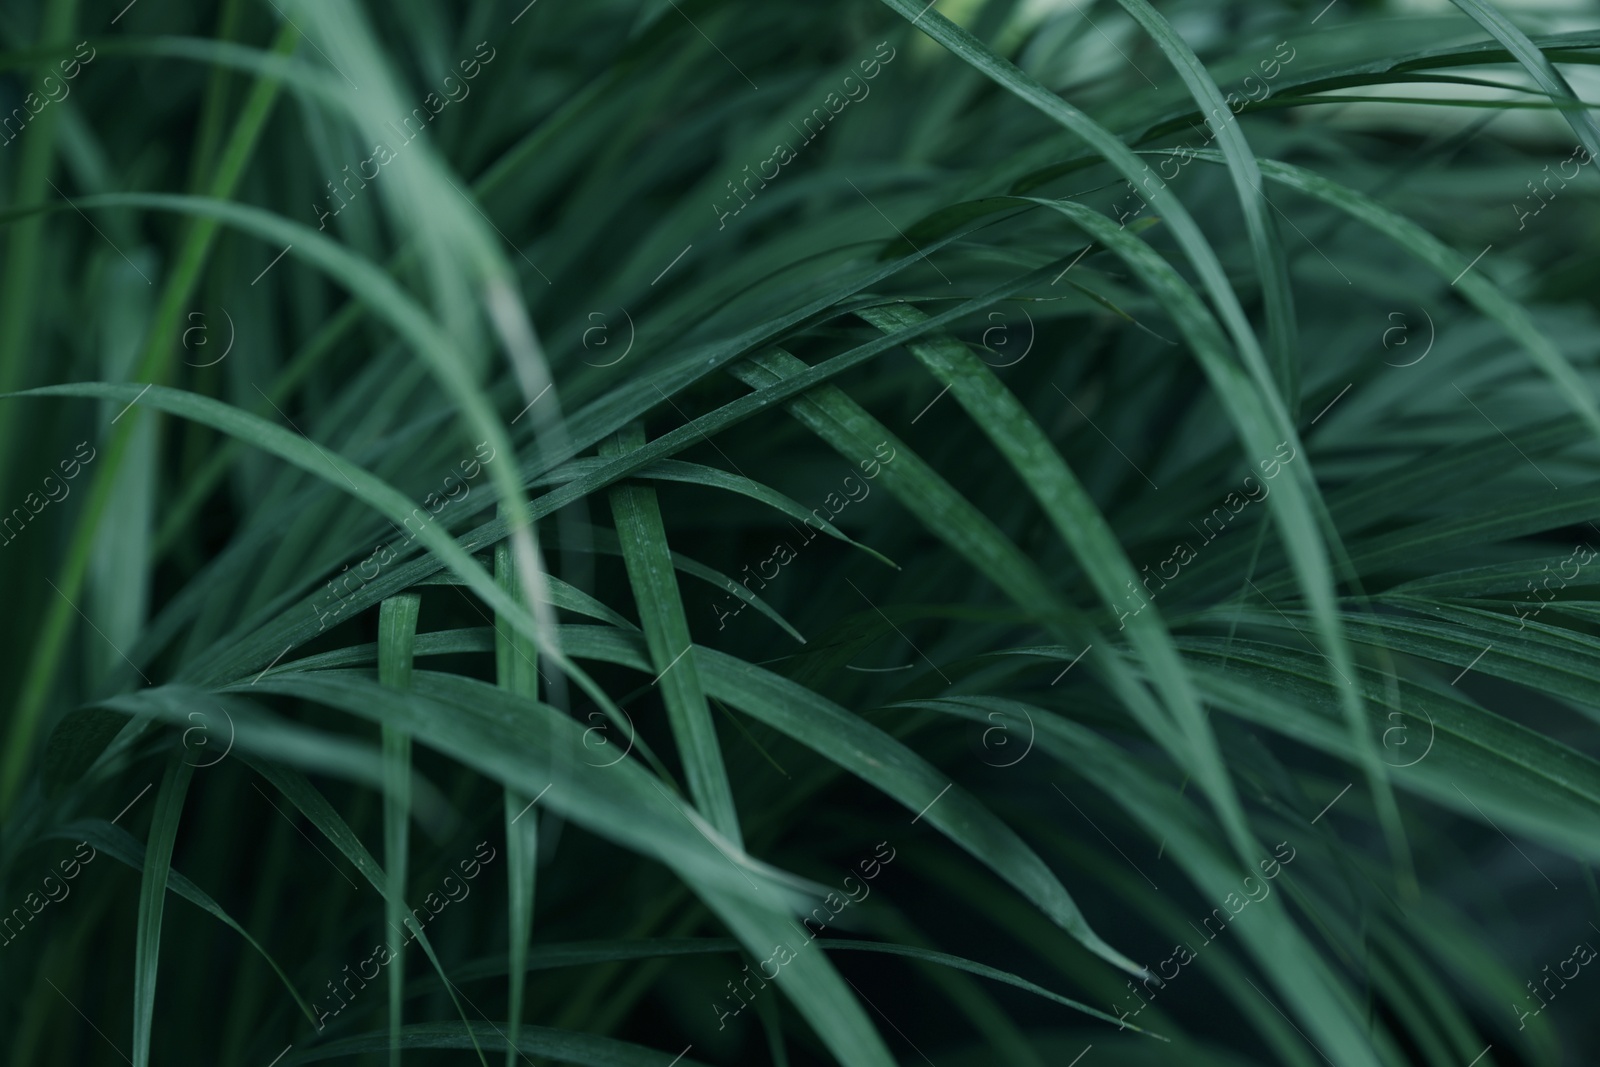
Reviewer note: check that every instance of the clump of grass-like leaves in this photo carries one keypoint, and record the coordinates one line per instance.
(970, 532)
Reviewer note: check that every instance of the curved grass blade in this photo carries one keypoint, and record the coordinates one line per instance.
(259, 648)
(1298, 503)
(879, 760)
(121, 846)
(315, 807)
(673, 470)
(585, 953)
(397, 633)
(153, 898)
(443, 355)
(606, 542)
(1521, 779)
(562, 595)
(334, 470)
(1537, 64)
(1080, 525)
(1484, 294)
(1110, 148)
(154, 365)
(1306, 547)
(1305, 980)
(857, 436)
(1265, 244)
(643, 537)
(491, 731)
(516, 670)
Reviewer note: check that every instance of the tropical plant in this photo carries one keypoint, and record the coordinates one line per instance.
(1082, 511)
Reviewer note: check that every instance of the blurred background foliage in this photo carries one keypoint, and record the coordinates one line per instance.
(862, 368)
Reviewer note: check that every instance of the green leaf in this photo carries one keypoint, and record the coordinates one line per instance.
(322, 815)
(1426, 248)
(672, 470)
(516, 671)
(153, 898)
(879, 760)
(1303, 978)
(121, 846)
(1534, 61)
(397, 632)
(1265, 244)
(491, 731)
(1080, 524)
(666, 631)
